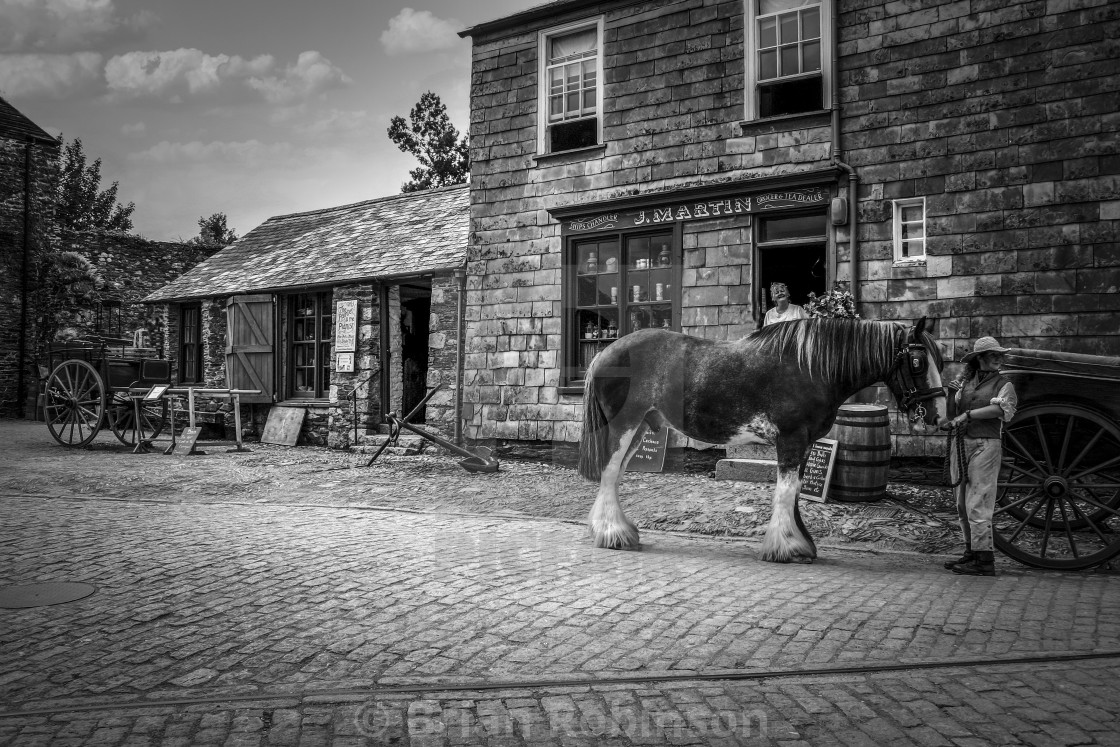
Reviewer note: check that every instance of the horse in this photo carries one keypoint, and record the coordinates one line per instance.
(781, 385)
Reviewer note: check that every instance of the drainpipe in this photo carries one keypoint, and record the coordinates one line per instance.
(853, 179)
(21, 379)
(460, 332)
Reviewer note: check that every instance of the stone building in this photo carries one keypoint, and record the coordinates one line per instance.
(660, 163)
(28, 179)
(345, 313)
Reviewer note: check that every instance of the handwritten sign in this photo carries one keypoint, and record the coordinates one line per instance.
(818, 470)
(184, 445)
(344, 363)
(650, 456)
(346, 325)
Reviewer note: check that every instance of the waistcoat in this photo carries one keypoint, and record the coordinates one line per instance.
(973, 397)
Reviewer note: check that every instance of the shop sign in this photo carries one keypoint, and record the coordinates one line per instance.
(684, 211)
(346, 325)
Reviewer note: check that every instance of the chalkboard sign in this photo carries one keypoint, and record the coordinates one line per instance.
(184, 445)
(818, 470)
(650, 456)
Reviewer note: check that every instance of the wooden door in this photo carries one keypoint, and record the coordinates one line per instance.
(250, 346)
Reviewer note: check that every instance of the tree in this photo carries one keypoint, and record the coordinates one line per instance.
(82, 204)
(212, 231)
(444, 157)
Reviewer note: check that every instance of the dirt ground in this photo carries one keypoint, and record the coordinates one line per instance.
(915, 517)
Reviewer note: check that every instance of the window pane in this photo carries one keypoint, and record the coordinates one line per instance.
(912, 213)
(767, 65)
(773, 6)
(773, 229)
(555, 107)
(578, 43)
(556, 80)
(811, 57)
(790, 64)
(912, 231)
(811, 23)
(767, 33)
(788, 24)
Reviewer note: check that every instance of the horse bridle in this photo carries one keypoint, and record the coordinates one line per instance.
(914, 358)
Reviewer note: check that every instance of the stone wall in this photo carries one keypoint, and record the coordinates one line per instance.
(41, 178)
(1000, 113)
(1003, 115)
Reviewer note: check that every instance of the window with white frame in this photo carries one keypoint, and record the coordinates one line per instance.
(910, 229)
(571, 92)
(789, 60)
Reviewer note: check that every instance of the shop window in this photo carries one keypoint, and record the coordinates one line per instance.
(617, 284)
(789, 57)
(910, 230)
(190, 343)
(311, 328)
(571, 89)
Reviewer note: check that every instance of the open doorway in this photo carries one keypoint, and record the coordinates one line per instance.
(791, 250)
(416, 309)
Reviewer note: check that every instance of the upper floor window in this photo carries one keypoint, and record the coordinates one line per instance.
(789, 60)
(572, 91)
(910, 229)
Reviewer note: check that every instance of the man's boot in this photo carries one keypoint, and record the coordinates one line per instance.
(982, 564)
(968, 555)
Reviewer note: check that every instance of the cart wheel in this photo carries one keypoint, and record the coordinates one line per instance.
(75, 403)
(122, 419)
(1058, 496)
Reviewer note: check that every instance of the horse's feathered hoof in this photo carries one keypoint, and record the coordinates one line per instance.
(616, 538)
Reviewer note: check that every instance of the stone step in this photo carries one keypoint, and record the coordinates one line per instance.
(752, 451)
(747, 470)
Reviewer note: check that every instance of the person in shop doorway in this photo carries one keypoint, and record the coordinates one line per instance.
(783, 310)
(985, 401)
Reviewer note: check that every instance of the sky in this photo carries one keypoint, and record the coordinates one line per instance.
(252, 108)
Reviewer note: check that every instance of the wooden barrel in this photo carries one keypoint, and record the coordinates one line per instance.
(863, 454)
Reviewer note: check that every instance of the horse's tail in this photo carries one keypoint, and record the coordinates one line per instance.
(593, 440)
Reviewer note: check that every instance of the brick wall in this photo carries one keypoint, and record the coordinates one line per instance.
(1003, 115)
(41, 238)
(1000, 113)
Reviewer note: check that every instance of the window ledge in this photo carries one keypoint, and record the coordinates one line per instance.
(909, 262)
(571, 390)
(301, 402)
(751, 126)
(552, 157)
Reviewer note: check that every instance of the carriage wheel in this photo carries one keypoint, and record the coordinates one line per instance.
(75, 403)
(1058, 496)
(122, 419)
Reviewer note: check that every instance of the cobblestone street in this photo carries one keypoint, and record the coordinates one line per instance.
(233, 619)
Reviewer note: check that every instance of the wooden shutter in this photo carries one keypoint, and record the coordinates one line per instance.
(250, 351)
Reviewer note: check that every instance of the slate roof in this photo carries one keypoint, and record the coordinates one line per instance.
(15, 126)
(407, 234)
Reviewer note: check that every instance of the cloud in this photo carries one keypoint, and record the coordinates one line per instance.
(412, 31)
(49, 75)
(246, 152)
(179, 74)
(312, 74)
(137, 129)
(64, 25)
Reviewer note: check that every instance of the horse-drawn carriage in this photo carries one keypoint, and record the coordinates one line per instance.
(1058, 501)
(92, 383)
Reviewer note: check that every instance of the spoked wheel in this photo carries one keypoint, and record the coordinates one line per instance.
(122, 419)
(75, 403)
(1058, 496)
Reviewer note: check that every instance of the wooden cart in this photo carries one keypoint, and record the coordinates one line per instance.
(1058, 500)
(91, 384)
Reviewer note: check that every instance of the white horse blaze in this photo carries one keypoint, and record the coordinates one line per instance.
(784, 541)
(608, 524)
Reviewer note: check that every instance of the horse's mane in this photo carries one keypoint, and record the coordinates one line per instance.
(833, 349)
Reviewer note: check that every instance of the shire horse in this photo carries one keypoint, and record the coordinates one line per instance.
(782, 385)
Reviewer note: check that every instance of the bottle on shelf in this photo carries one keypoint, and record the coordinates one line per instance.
(665, 258)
